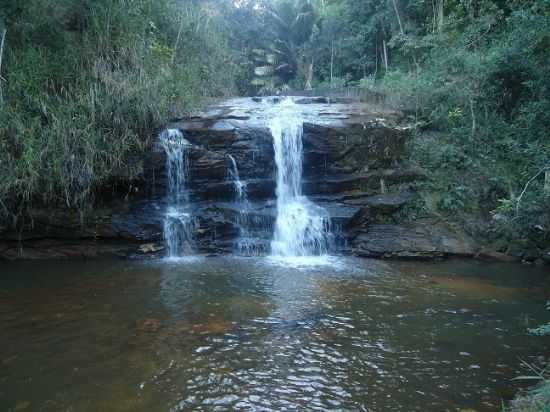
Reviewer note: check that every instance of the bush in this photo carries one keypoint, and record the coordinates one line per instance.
(483, 87)
(87, 83)
(538, 398)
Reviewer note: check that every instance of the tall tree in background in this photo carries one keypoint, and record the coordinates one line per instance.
(288, 54)
(3, 32)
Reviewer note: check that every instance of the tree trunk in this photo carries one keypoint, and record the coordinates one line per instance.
(309, 75)
(331, 62)
(434, 21)
(177, 42)
(440, 15)
(547, 183)
(376, 61)
(1, 54)
(473, 114)
(438, 7)
(546, 171)
(385, 50)
(398, 17)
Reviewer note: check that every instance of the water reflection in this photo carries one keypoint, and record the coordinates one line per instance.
(248, 334)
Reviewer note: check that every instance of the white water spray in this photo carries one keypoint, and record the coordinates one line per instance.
(302, 228)
(246, 245)
(178, 221)
(240, 188)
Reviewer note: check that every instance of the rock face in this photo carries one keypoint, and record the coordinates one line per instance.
(354, 166)
(419, 240)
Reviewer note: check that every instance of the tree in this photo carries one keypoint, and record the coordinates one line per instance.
(3, 32)
(287, 55)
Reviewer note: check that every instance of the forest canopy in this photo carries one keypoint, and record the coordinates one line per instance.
(86, 83)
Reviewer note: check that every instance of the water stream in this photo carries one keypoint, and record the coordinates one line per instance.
(301, 228)
(246, 244)
(236, 334)
(178, 221)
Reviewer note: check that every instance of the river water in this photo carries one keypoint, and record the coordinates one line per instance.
(233, 334)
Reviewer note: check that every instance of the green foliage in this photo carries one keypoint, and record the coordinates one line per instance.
(368, 82)
(537, 399)
(286, 54)
(87, 83)
(543, 329)
(482, 82)
(337, 82)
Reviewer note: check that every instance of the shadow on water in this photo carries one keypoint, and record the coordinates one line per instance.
(254, 334)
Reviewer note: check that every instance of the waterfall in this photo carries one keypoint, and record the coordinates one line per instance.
(178, 221)
(246, 246)
(240, 188)
(301, 227)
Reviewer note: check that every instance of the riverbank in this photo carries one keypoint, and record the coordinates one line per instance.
(536, 400)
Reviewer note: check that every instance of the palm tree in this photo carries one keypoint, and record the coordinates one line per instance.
(292, 24)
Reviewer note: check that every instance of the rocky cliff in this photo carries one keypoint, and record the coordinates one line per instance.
(355, 166)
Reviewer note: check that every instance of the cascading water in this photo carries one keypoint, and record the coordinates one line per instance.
(302, 228)
(178, 221)
(246, 246)
(240, 188)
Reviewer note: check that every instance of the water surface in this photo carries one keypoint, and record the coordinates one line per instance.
(232, 334)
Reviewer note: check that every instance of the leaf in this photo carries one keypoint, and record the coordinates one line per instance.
(259, 82)
(263, 71)
(536, 378)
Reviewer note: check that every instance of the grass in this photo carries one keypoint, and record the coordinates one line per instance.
(537, 399)
(86, 86)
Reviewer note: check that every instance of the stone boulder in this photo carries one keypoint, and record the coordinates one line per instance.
(422, 239)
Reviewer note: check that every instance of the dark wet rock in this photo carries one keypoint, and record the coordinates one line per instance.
(490, 254)
(38, 249)
(378, 209)
(389, 203)
(312, 100)
(361, 220)
(516, 251)
(531, 254)
(325, 100)
(252, 149)
(426, 239)
(354, 166)
(352, 148)
(377, 231)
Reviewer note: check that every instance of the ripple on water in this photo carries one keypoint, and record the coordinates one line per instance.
(182, 260)
(250, 334)
(306, 262)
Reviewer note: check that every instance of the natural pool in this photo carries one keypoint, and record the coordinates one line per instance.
(231, 334)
